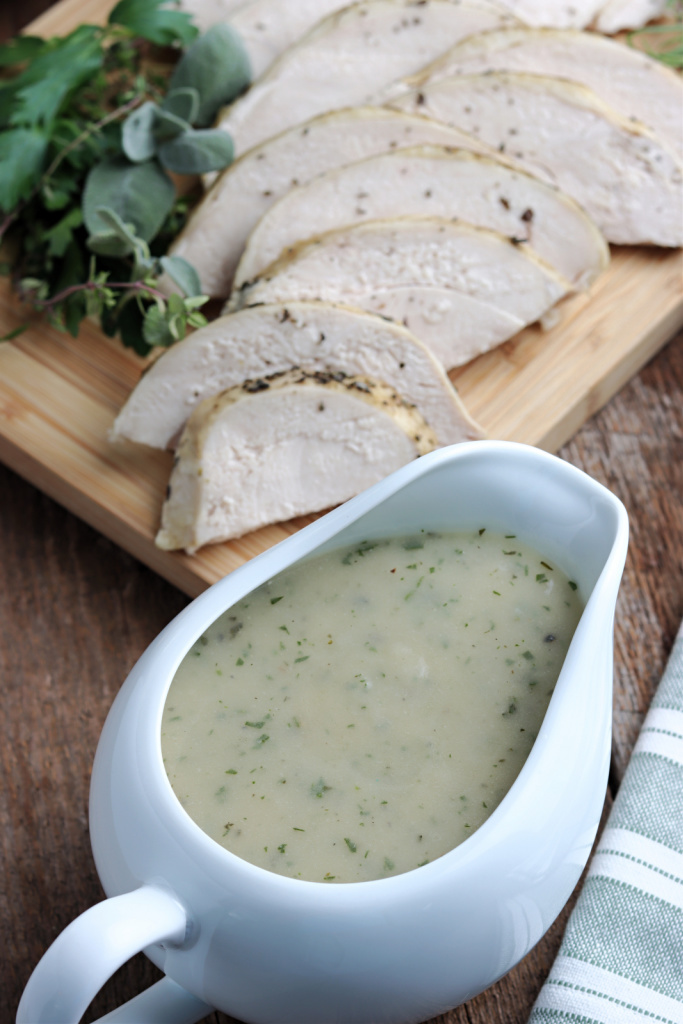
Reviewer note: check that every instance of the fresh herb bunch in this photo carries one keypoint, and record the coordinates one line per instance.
(90, 125)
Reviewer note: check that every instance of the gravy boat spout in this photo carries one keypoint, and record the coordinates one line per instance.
(270, 949)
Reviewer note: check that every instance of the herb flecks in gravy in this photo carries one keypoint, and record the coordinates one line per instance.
(366, 711)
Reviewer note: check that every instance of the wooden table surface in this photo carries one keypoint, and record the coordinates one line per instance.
(76, 612)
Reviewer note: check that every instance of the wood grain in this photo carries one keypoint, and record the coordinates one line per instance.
(635, 447)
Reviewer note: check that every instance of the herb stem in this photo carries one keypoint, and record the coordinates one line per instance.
(91, 286)
(91, 129)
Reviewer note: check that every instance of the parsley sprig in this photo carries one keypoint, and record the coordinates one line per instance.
(91, 124)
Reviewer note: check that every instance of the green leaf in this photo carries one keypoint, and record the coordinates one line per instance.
(137, 133)
(140, 194)
(11, 335)
(60, 236)
(217, 66)
(148, 19)
(54, 199)
(197, 319)
(113, 222)
(7, 98)
(183, 273)
(146, 127)
(63, 66)
(184, 103)
(20, 49)
(74, 311)
(168, 125)
(34, 289)
(22, 156)
(145, 264)
(155, 328)
(72, 268)
(196, 152)
(129, 326)
(108, 243)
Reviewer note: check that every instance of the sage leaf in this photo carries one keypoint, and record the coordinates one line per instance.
(183, 273)
(140, 194)
(183, 103)
(217, 66)
(197, 152)
(115, 225)
(108, 243)
(137, 135)
(22, 155)
(168, 126)
(148, 19)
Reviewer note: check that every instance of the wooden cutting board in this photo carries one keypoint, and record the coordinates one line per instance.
(59, 395)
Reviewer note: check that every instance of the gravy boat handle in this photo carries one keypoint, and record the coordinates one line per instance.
(94, 946)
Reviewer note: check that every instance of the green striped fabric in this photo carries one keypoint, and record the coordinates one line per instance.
(621, 959)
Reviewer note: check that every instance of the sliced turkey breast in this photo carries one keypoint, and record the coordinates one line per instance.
(554, 13)
(623, 175)
(461, 290)
(268, 27)
(215, 235)
(433, 181)
(269, 339)
(349, 57)
(616, 15)
(635, 85)
(284, 446)
(206, 13)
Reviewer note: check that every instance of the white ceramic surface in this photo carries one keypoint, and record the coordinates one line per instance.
(269, 949)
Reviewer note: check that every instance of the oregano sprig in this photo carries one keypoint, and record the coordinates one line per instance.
(163, 319)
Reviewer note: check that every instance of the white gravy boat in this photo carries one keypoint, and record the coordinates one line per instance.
(269, 949)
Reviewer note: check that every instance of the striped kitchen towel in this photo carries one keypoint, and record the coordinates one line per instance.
(621, 959)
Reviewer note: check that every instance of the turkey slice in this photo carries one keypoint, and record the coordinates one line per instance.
(206, 13)
(215, 235)
(635, 85)
(616, 15)
(349, 57)
(263, 340)
(432, 181)
(268, 27)
(554, 13)
(461, 290)
(623, 175)
(284, 446)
